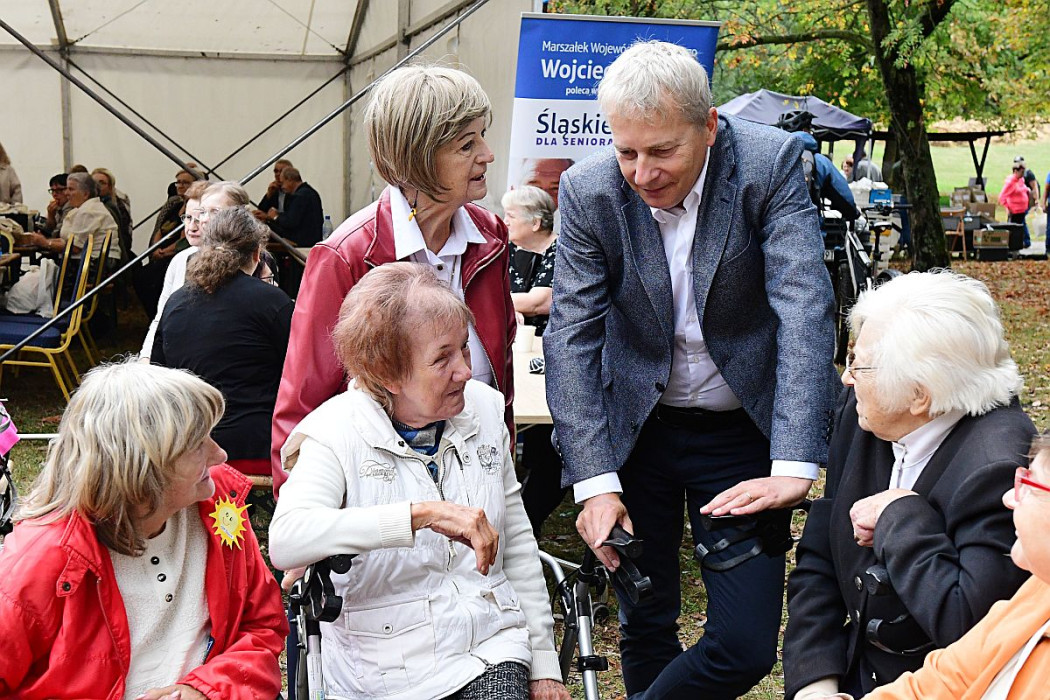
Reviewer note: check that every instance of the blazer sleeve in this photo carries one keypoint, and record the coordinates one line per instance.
(290, 223)
(815, 641)
(312, 372)
(949, 568)
(799, 291)
(572, 343)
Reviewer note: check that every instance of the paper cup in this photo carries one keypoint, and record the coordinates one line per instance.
(524, 339)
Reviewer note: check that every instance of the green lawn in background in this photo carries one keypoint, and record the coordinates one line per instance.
(954, 164)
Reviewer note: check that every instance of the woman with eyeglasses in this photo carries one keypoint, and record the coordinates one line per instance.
(909, 544)
(231, 330)
(202, 198)
(1007, 654)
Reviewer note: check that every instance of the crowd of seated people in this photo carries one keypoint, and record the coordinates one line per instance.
(380, 403)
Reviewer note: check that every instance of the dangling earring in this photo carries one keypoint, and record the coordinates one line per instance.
(415, 200)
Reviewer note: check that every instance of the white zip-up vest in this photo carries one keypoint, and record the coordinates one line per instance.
(418, 622)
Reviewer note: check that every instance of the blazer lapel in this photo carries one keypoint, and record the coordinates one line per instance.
(642, 237)
(942, 457)
(715, 215)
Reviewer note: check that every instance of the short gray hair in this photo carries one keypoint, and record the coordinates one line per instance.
(83, 182)
(648, 76)
(940, 331)
(533, 203)
(413, 112)
(120, 437)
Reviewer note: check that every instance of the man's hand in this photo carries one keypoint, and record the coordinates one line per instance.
(596, 521)
(547, 690)
(272, 188)
(272, 214)
(755, 495)
(36, 239)
(469, 526)
(865, 514)
(173, 692)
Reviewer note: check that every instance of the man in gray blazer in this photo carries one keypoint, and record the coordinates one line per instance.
(689, 357)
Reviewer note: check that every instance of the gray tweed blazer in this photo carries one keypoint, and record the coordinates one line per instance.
(763, 296)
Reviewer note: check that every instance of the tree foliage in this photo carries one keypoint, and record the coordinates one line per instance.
(902, 63)
(987, 60)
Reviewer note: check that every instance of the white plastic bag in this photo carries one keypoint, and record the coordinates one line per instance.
(34, 293)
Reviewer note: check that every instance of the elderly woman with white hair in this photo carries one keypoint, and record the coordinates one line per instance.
(426, 133)
(411, 469)
(910, 543)
(132, 571)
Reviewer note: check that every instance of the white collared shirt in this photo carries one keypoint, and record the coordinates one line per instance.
(913, 452)
(447, 263)
(695, 381)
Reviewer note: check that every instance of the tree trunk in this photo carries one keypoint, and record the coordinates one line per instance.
(904, 93)
(889, 159)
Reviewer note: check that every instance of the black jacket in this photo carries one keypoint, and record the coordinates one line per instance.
(946, 550)
(303, 217)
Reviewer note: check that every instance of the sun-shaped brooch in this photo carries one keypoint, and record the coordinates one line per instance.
(229, 522)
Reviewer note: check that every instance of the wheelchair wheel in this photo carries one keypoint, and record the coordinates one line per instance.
(302, 682)
(845, 298)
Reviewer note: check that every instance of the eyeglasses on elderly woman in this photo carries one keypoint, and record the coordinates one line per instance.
(852, 368)
(1024, 483)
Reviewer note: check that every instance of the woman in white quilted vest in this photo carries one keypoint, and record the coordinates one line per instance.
(411, 469)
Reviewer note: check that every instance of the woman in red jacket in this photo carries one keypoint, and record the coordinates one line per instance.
(133, 571)
(426, 132)
(1015, 195)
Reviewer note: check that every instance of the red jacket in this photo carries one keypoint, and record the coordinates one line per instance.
(64, 632)
(313, 374)
(1015, 195)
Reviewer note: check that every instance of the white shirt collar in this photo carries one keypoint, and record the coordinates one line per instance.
(917, 447)
(408, 239)
(691, 201)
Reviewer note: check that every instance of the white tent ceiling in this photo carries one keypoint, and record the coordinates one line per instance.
(272, 27)
(210, 74)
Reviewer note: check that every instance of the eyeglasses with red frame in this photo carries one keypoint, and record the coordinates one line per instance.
(1023, 483)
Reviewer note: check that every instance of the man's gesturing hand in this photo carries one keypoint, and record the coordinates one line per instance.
(596, 521)
(754, 495)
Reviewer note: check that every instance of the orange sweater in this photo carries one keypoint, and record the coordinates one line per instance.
(964, 670)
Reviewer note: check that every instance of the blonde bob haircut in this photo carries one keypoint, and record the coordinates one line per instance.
(381, 318)
(939, 331)
(413, 112)
(120, 437)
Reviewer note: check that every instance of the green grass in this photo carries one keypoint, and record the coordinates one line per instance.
(954, 163)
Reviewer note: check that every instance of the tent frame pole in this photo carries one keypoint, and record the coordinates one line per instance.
(246, 179)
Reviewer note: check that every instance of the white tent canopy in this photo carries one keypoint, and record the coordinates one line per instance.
(211, 74)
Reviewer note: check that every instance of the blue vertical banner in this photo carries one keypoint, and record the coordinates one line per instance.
(561, 60)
